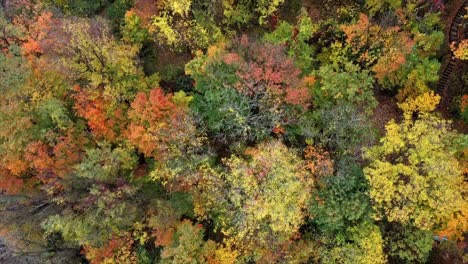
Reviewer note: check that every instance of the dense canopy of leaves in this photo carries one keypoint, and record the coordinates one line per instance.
(232, 132)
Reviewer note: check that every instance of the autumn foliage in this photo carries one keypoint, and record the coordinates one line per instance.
(232, 132)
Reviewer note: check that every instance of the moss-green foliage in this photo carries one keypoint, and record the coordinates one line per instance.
(341, 200)
(348, 84)
(81, 7)
(53, 113)
(116, 11)
(361, 244)
(132, 29)
(406, 244)
(296, 38)
(229, 116)
(341, 129)
(376, 5)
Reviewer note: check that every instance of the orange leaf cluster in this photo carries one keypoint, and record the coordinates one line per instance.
(111, 252)
(145, 9)
(10, 183)
(464, 103)
(102, 121)
(155, 122)
(318, 162)
(53, 162)
(397, 46)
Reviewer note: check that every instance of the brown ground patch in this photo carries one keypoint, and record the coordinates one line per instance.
(386, 110)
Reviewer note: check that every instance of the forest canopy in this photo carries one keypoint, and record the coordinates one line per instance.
(232, 132)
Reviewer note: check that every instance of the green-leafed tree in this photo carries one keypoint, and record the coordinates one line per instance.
(340, 201)
(360, 244)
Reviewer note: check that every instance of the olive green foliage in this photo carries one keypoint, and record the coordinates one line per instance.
(133, 30)
(347, 84)
(361, 244)
(99, 222)
(13, 71)
(341, 129)
(101, 61)
(180, 27)
(81, 7)
(341, 200)
(296, 38)
(406, 244)
(376, 5)
(90, 187)
(188, 246)
(116, 11)
(53, 113)
(13, 68)
(241, 13)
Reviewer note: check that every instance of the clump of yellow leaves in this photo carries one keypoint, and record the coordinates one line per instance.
(413, 174)
(425, 103)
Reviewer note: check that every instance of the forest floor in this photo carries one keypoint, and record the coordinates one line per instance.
(7, 256)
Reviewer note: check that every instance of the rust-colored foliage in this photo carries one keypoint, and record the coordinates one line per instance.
(156, 122)
(397, 46)
(9, 183)
(145, 9)
(163, 222)
(37, 32)
(464, 102)
(163, 237)
(103, 120)
(265, 68)
(456, 227)
(53, 162)
(318, 162)
(393, 43)
(358, 34)
(117, 250)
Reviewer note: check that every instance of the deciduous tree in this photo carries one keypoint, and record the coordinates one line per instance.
(413, 175)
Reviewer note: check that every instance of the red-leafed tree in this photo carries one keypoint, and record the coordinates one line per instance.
(266, 69)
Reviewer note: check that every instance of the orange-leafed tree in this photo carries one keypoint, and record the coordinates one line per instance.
(103, 118)
(117, 250)
(53, 161)
(158, 124)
